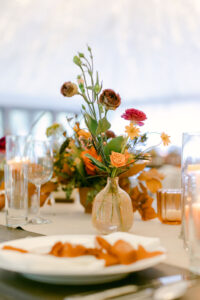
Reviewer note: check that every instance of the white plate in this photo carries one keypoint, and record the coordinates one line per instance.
(79, 270)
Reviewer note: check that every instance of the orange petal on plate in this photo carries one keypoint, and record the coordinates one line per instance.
(142, 253)
(55, 250)
(125, 252)
(14, 249)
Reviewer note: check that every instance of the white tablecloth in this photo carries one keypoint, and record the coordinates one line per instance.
(71, 219)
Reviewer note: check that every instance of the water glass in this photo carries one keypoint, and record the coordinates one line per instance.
(190, 166)
(192, 219)
(15, 148)
(16, 194)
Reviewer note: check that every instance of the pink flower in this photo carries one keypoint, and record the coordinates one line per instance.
(134, 115)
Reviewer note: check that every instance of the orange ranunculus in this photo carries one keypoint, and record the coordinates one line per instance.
(89, 167)
(118, 159)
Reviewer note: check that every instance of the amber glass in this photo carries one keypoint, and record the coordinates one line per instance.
(112, 209)
(169, 206)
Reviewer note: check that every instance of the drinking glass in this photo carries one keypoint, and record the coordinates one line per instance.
(15, 148)
(190, 165)
(16, 188)
(16, 193)
(40, 169)
(192, 219)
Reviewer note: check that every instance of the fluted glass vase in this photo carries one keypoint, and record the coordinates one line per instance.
(112, 209)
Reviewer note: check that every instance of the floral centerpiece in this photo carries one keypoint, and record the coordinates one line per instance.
(72, 169)
(105, 157)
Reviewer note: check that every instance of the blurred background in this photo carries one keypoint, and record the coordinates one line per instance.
(147, 51)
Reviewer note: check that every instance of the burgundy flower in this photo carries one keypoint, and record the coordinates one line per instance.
(110, 134)
(110, 99)
(3, 144)
(134, 115)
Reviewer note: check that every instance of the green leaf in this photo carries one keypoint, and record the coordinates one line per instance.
(101, 108)
(97, 163)
(91, 124)
(89, 49)
(115, 145)
(97, 88)
(103, 125)
(97, 78)
(77, 60)
(64, 145)
(83, 107)
(80, 168)
(81, 54)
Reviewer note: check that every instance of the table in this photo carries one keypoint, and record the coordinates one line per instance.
(70, 219)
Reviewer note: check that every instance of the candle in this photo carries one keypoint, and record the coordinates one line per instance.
(169, 206)
(173, 215)
(17, 162)
(196, 218)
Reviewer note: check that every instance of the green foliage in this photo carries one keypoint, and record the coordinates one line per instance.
(97, 163)
(89, 49)
(115, 145)
(53, 129)
(103, 126)
(77, 60)
(68, 189)
(91, 123)
(64, 145)
(81, 54)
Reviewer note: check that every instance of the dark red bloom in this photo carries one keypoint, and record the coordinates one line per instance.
(134, 115)
(110, 134)
(3, 144)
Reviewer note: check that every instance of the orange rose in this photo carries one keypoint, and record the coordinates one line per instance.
(89, 167)
(118, 159)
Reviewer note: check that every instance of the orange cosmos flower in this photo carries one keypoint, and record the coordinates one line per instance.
(118, 159)
(132, 131)
(165, 138)
(89, 167)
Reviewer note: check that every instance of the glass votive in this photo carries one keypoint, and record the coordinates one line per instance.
(169, 206)
(190, 167)
(192, 217)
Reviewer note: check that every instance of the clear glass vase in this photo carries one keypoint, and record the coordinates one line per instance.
(112, 209)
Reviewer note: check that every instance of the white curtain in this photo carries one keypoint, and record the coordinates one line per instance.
(147, 50)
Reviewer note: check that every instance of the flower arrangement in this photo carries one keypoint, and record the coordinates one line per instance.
(95, 153)
(72, 168)
(113, 157)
